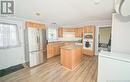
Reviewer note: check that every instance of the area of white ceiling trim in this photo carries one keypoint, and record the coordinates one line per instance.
(64, 12)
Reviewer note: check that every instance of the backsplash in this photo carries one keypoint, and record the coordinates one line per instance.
(66, 39)
(69, 39)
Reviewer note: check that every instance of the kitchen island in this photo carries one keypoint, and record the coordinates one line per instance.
(71, 56)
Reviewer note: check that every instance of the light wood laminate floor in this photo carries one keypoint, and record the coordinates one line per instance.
(52, 71)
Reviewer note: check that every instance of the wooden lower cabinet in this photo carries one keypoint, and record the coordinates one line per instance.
(53, 49)
(70, 58)
(88, 52)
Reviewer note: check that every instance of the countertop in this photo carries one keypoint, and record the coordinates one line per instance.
(116, 55)
(71, 47)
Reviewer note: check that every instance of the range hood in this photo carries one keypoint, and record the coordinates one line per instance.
(122, 7)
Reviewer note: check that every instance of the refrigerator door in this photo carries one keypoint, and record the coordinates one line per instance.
(40, 39)
(44, 45)
(33, 39)
(44, 39)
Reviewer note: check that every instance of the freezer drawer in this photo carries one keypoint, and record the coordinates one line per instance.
(35, 58)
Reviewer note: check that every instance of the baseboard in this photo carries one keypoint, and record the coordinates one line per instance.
(11, 69)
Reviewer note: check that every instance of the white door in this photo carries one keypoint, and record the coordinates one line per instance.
(34, 59)
(33, 39)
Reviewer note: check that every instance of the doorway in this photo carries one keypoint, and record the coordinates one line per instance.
(104, 39)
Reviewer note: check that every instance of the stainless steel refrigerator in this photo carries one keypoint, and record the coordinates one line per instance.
(36, 46)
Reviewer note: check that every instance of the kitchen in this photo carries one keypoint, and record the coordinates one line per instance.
(65, 41)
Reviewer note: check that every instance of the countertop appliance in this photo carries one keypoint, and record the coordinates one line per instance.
(36, 46)
(113, 67)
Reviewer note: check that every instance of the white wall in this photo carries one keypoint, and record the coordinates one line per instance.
(121, 33)
(14, 56)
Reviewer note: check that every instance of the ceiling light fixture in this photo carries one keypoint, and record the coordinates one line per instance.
(37, 14)
(97, 1)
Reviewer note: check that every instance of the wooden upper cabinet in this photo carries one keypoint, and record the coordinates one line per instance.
(79, 32)
(34, 25)
(89, 28)
(60, 32)
(68, 29)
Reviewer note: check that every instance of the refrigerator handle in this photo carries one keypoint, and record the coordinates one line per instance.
(37, 40)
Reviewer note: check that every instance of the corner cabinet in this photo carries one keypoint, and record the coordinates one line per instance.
(89, 40)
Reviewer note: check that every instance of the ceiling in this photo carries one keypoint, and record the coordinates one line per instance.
(64, 12)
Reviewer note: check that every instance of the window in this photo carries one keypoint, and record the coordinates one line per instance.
(52, 33)
(9, 36)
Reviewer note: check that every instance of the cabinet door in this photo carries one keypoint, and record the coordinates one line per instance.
(53, 50)
(88, 52)
(79, 32)
(60, 32)
(68, 29)
(76, 32)
(85, 29)
(57, 49)
(49, 51)
(72, 29)
(89, 28)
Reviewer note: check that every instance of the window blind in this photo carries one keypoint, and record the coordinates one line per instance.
(9, 35)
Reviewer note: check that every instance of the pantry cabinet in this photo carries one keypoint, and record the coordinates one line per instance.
(89, 40)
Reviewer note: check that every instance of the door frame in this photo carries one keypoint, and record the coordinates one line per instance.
(97, 37)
